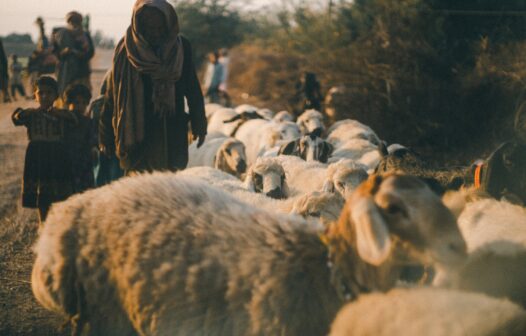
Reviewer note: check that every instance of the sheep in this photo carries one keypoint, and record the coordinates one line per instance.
(495, 234)
(216, 123)
(282, 116)
(342, 177)
(262, 135)
(159, 254)
(221, 152)
(323, 205)
(245, 108)
(345, 130)
(266, 113)
(429, 311)
(353, 149)
(267, 176)
(308, 147)
(311, 121)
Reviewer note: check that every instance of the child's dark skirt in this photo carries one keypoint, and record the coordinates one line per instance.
(47, 174)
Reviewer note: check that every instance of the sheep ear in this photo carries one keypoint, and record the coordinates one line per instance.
(328, 186)
(372, 234)
(289, 148)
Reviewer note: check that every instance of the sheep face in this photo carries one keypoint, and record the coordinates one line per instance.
(231, 158)
(309, 148)
(322, 205)
(345, 181)
(311, 121)
(268, 178)
(284, 131)
(314, 148)
(405, 207)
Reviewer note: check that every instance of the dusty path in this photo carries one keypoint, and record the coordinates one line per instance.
(20, 314)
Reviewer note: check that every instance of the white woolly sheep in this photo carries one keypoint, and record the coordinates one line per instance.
(266, 113)
(495, 234)
(429, 311)
(311, 121)
(245, 108)
(353, 149)
(163, 255)
(261, 135)
(221, 152)
(341, 177)
(282, 116)
(216, 123)
(345, 130)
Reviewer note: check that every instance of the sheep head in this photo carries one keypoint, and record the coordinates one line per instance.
(344, 177)
(309, 148)
(311, 121)
(322, 205)
(402, 210)
(267, 176)
(231, 158)
(284, 131)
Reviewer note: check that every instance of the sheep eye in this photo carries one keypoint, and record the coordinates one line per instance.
(314, 214)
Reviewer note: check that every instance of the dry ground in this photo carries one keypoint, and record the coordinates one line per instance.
(20, 314)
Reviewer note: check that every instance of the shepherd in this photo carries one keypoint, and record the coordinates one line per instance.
(144, 121)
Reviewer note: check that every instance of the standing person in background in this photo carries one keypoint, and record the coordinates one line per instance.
(15, 80)
(224, 60)
(308, 93)
(153, 72)
(74, 49)
(47, 168)
(79, 137)
(213, 77)
(4, 76)
(105, 166)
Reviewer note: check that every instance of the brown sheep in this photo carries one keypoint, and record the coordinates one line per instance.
(166, 255)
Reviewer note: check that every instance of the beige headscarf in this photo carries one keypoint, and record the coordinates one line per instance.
(134, 57)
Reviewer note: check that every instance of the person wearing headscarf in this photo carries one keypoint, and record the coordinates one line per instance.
(74, 49)
(144, 120)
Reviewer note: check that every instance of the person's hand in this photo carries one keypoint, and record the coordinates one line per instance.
(201, 139)
(66, 51)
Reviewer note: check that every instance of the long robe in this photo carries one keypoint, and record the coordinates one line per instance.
(165, 144)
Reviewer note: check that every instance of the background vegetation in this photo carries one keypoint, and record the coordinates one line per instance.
(443, 76)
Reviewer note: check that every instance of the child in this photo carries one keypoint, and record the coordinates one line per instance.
(80, 137)
(47, 168)
(16, 77)
(106, 167)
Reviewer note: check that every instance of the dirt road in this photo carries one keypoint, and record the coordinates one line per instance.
(20, 314)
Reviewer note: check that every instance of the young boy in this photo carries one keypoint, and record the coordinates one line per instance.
(16, 78)
(47, 168)
(80, 137)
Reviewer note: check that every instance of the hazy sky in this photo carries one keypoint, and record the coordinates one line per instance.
(110, 16)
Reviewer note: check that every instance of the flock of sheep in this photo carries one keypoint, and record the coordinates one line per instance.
(283, 228)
